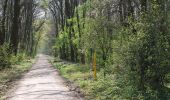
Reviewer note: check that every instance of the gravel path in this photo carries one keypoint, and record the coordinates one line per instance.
(42, 82)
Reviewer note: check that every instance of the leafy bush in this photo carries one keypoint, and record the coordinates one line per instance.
(5, 56)
(17, 59)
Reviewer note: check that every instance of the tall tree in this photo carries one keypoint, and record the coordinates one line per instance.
(15, 27)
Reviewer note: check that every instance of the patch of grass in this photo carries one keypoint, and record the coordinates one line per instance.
(81, 75)
(73, 71)
(8, 75)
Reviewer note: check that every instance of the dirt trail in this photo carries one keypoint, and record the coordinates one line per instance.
(42, 82)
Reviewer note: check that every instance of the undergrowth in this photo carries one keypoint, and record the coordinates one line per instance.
(115, 86)
(104, 88)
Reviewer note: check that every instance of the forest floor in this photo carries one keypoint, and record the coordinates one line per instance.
(42, 82)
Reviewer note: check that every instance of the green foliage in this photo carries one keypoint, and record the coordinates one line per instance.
(105, 88)
(7, 59)
(134, 52)
(18, 58)
(5, 56)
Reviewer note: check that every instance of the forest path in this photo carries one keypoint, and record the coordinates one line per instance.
(42, 82)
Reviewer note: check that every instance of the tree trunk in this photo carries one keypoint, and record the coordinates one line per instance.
(2, 34)
(15, 27)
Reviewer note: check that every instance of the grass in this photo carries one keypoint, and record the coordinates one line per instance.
(8, 75)
(76, 73)
(81, 75)
(104, 88)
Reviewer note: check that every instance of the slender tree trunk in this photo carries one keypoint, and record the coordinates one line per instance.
(15, 27)
(2, 35)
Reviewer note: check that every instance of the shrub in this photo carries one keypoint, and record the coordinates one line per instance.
(5, 56)
(17, 59)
